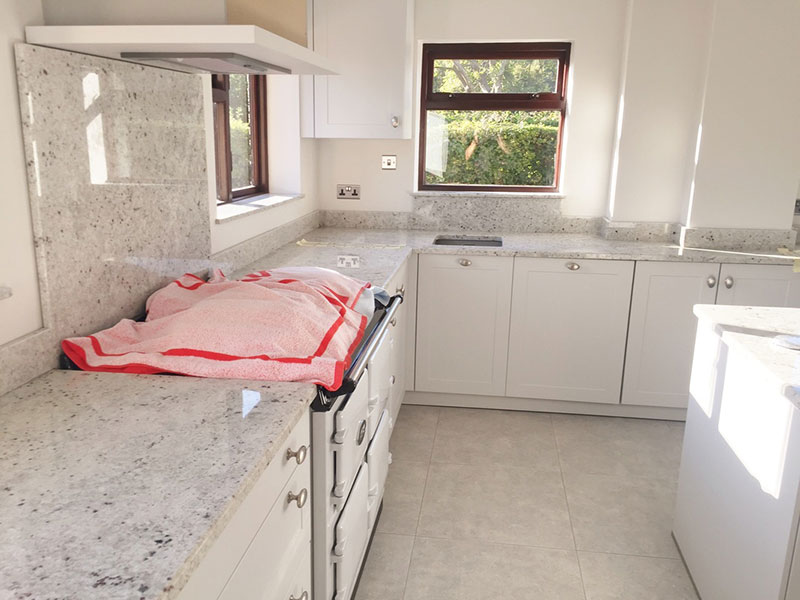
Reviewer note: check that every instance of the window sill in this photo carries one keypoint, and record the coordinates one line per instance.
(477, 194)
(249, 206)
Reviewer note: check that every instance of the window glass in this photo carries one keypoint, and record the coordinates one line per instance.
(478, 147)
(495, 76)
(241, 131)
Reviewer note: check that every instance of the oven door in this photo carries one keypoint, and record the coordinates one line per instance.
(352, 536)
(378, 461)
(379, 371)
(350, 440)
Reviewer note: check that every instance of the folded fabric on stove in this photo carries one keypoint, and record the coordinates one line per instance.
(289, 324)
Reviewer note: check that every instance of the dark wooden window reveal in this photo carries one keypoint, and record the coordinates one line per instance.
(240, 135)
(492, 116)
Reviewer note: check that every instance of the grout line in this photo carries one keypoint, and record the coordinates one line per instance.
(496, 543)
(408, 571)
(428, 472)
(569, 511)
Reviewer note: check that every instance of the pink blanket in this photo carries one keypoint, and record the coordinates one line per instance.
(293, 324)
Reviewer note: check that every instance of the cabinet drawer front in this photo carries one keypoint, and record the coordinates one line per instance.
(759, 285)
(352, 535)
(462, 323)
(380, 375)
(378, 460)
(351, 438)
(216, 567)
(273, 554)
(298, 581)
(568, 325)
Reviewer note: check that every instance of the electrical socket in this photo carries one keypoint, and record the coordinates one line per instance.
(348, 191)
(389, 161)
(348, 261)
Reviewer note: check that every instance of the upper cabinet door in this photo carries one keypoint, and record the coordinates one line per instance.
(568, 325)
(462, 323)
(662, 329)
(370, 43)
(759, 285)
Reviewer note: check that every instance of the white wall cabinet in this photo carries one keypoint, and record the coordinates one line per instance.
(463, 309)
(370, 42)
(568, 325)
(759, 285)
(658, 361)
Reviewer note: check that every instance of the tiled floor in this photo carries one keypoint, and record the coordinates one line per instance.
(493, 504)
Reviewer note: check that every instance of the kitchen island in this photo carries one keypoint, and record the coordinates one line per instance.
(737, 508)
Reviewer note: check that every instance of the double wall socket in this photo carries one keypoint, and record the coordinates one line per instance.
(348, 191)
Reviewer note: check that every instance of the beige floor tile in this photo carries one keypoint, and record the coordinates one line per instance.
(412, 437)
(472, 570)
(384, 576)
(617, 577)
(623, 515)
(612, 446)
(495, 437)
(495, 504)
(403, 497)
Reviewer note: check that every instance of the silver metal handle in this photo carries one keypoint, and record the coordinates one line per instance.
(465, 262)
(572, 266)
(395, 121)
(729, 282)
(392, 379)
(303, 596)
(711, 281)
(362, 433)
(299, 455)
(393, 322)
(300, 498)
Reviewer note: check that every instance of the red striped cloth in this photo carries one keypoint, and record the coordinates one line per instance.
(292, 324)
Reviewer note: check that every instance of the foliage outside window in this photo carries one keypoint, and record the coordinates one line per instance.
(240, 135)
(492, 116)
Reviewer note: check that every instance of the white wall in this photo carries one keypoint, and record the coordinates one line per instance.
(596, 30)
(749, 156)
(661, 99)
(20, 314)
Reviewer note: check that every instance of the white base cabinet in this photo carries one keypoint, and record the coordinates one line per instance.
(463, 309)
(759, 285)
(568, 324)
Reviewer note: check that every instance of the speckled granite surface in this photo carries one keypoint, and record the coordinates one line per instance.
(740, 239)
(754, 329)
(110, 483)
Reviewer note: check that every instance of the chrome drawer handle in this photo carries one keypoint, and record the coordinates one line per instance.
(300, 498)
(362, 432)
(729, 282)
(573, 266)
(303, 596)
(395, 121)
(465, 262)
(711, 281)
(392, 379)
(299, 456)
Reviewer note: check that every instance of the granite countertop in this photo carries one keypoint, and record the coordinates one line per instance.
(113, 486)
(754, 329)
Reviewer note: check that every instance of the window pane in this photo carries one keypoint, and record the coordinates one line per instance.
(515, 148)
(241, 132)
(510, 76)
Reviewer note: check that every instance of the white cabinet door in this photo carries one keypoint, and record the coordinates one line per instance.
(462, 323)
(662, 328)
(568, 324)
(759, 285)
(370, 43)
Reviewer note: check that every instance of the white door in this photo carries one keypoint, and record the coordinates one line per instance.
(463, 309)
(370, 43)
(662, 328)
(759, 285)
(568, 324)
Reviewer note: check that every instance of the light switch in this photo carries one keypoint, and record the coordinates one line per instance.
(388, 161)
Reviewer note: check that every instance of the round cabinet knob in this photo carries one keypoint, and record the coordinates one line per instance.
(303, 596)
(299, 455)
(300, 498)
(572, 266)
(729, 282)
(465, 262)
(711, 281)
(395, 121)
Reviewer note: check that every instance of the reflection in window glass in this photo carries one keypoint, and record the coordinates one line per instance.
(241, 132)
(513, 148)
(495, 76)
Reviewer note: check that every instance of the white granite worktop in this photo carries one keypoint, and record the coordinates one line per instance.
(754, 329)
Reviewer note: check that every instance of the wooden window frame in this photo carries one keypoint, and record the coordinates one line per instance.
(470, 101)
(220, 89)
